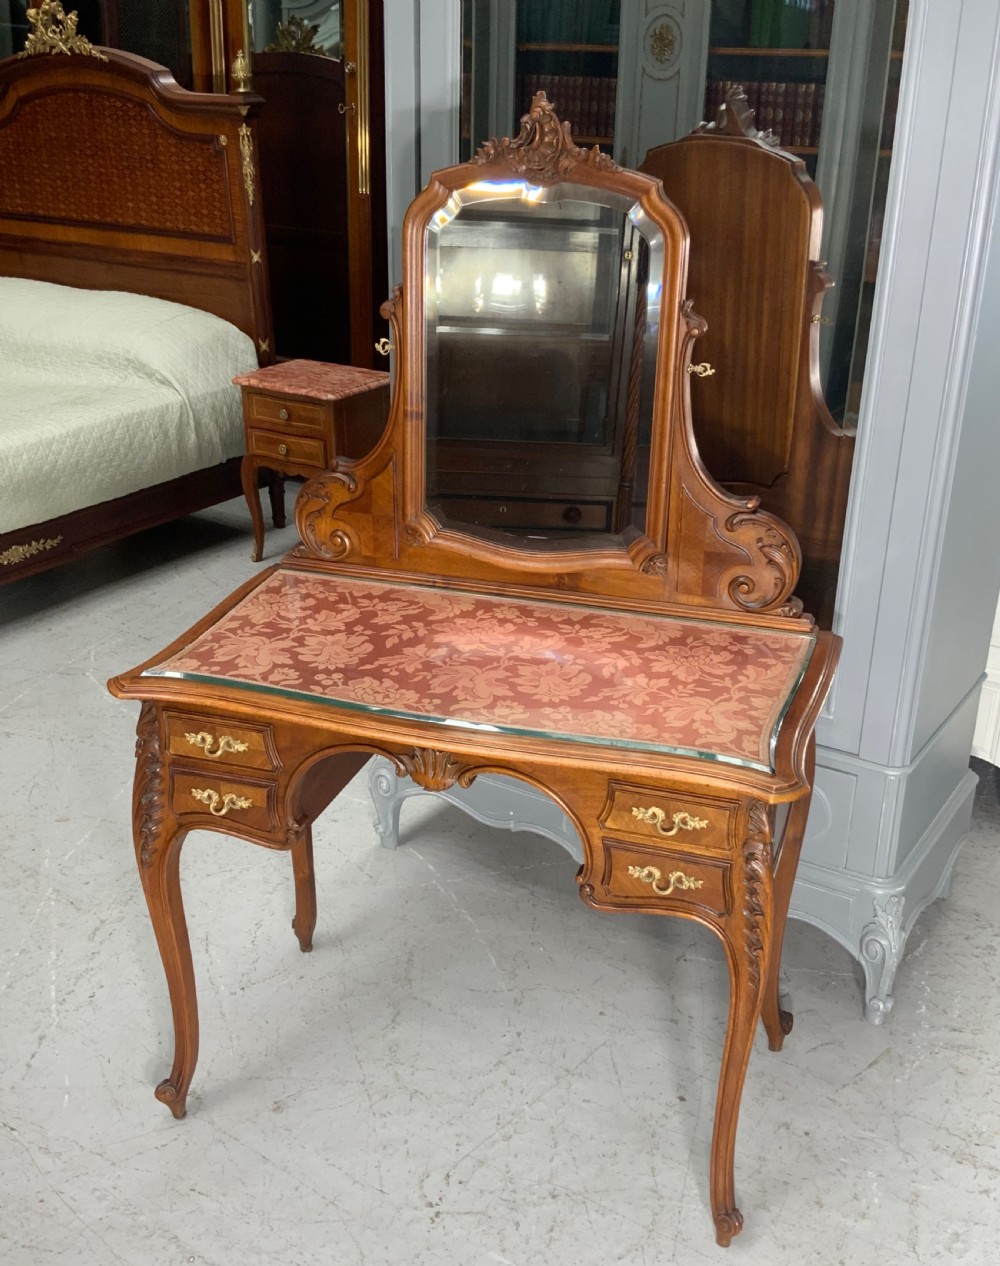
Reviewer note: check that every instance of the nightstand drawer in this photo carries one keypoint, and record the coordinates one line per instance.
(658, 877)
(220, 742)
(279, 412)
(290, 448)
(687, 821)
(241, 801)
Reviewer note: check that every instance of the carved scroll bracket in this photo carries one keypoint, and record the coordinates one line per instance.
(315, 512)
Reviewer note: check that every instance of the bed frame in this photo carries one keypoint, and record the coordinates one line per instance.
(113, 177)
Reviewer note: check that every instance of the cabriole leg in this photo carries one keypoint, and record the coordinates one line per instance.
(748, 950)
(778, 1023)
(158, 841)
(304, 923)
(248, 478)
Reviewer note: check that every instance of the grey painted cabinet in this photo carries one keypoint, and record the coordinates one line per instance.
(920, 576)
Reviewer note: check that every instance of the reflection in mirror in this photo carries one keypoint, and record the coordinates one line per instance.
(296, 26)
(542, 317)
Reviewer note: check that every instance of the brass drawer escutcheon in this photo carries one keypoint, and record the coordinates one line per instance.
(226, 742)
(676, 879)
(681, 820)
(229, 801)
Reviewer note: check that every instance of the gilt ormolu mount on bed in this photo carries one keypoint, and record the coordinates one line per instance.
(658, 680)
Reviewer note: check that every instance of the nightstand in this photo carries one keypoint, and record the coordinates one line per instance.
(298, 417)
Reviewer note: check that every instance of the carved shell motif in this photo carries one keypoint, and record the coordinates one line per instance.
(431, 769)
(543, 150)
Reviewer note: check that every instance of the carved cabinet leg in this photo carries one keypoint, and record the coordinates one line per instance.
(748, 945)
(158, 841)
(304, 923)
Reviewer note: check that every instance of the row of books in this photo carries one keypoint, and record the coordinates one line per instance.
(792, 111)
(586, 101)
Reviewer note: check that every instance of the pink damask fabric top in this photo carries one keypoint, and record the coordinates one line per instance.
(652, 682)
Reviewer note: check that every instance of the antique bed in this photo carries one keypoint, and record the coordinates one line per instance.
(115, 179)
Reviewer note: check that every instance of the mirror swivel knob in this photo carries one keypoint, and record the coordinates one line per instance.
(383, 347)
(704, 370)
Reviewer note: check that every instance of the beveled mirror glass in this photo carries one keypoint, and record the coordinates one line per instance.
(541, 327)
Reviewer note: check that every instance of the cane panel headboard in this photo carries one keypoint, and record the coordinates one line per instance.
(113, 177)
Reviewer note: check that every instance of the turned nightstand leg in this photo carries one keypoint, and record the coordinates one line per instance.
(158, 841)
(248, 477)
(304, 923)
(276, 492)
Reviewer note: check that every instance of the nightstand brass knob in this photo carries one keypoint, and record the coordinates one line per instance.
(283, 414)
(283, 450)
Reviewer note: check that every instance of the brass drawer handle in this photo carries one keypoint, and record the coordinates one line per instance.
(704, 370)
(681, 821)
(226, 744)
(651, 875)
(283, 450)
(229, 801)
(283, 414)
(383, 347)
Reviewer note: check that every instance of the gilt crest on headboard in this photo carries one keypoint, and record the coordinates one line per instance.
(54, 31)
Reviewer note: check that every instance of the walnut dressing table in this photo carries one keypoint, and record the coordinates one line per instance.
(657, 681)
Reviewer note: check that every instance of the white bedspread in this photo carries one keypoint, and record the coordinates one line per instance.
(104, 393)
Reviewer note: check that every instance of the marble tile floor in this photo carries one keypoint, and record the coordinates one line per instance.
(471, 1069)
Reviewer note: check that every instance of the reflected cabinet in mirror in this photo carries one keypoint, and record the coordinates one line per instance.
(541, 334)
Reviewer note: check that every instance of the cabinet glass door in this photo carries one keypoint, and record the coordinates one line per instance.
(778, 51)
(822, 75)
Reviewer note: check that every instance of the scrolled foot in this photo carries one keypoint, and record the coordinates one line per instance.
(776, 1034)
(727, 1225)
(168, 1093)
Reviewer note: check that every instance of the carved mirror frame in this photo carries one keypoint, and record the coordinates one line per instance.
(701, 547)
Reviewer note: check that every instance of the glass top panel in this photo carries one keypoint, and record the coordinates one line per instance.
(542, 319)
(510, 666)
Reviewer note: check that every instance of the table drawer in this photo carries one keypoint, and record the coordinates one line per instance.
(643, 813)
(300, 449)
(220, 742)
(286, 413)
(243, 802)
(656, 877)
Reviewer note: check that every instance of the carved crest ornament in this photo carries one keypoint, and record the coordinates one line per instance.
(544, 148)
(53, 30)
